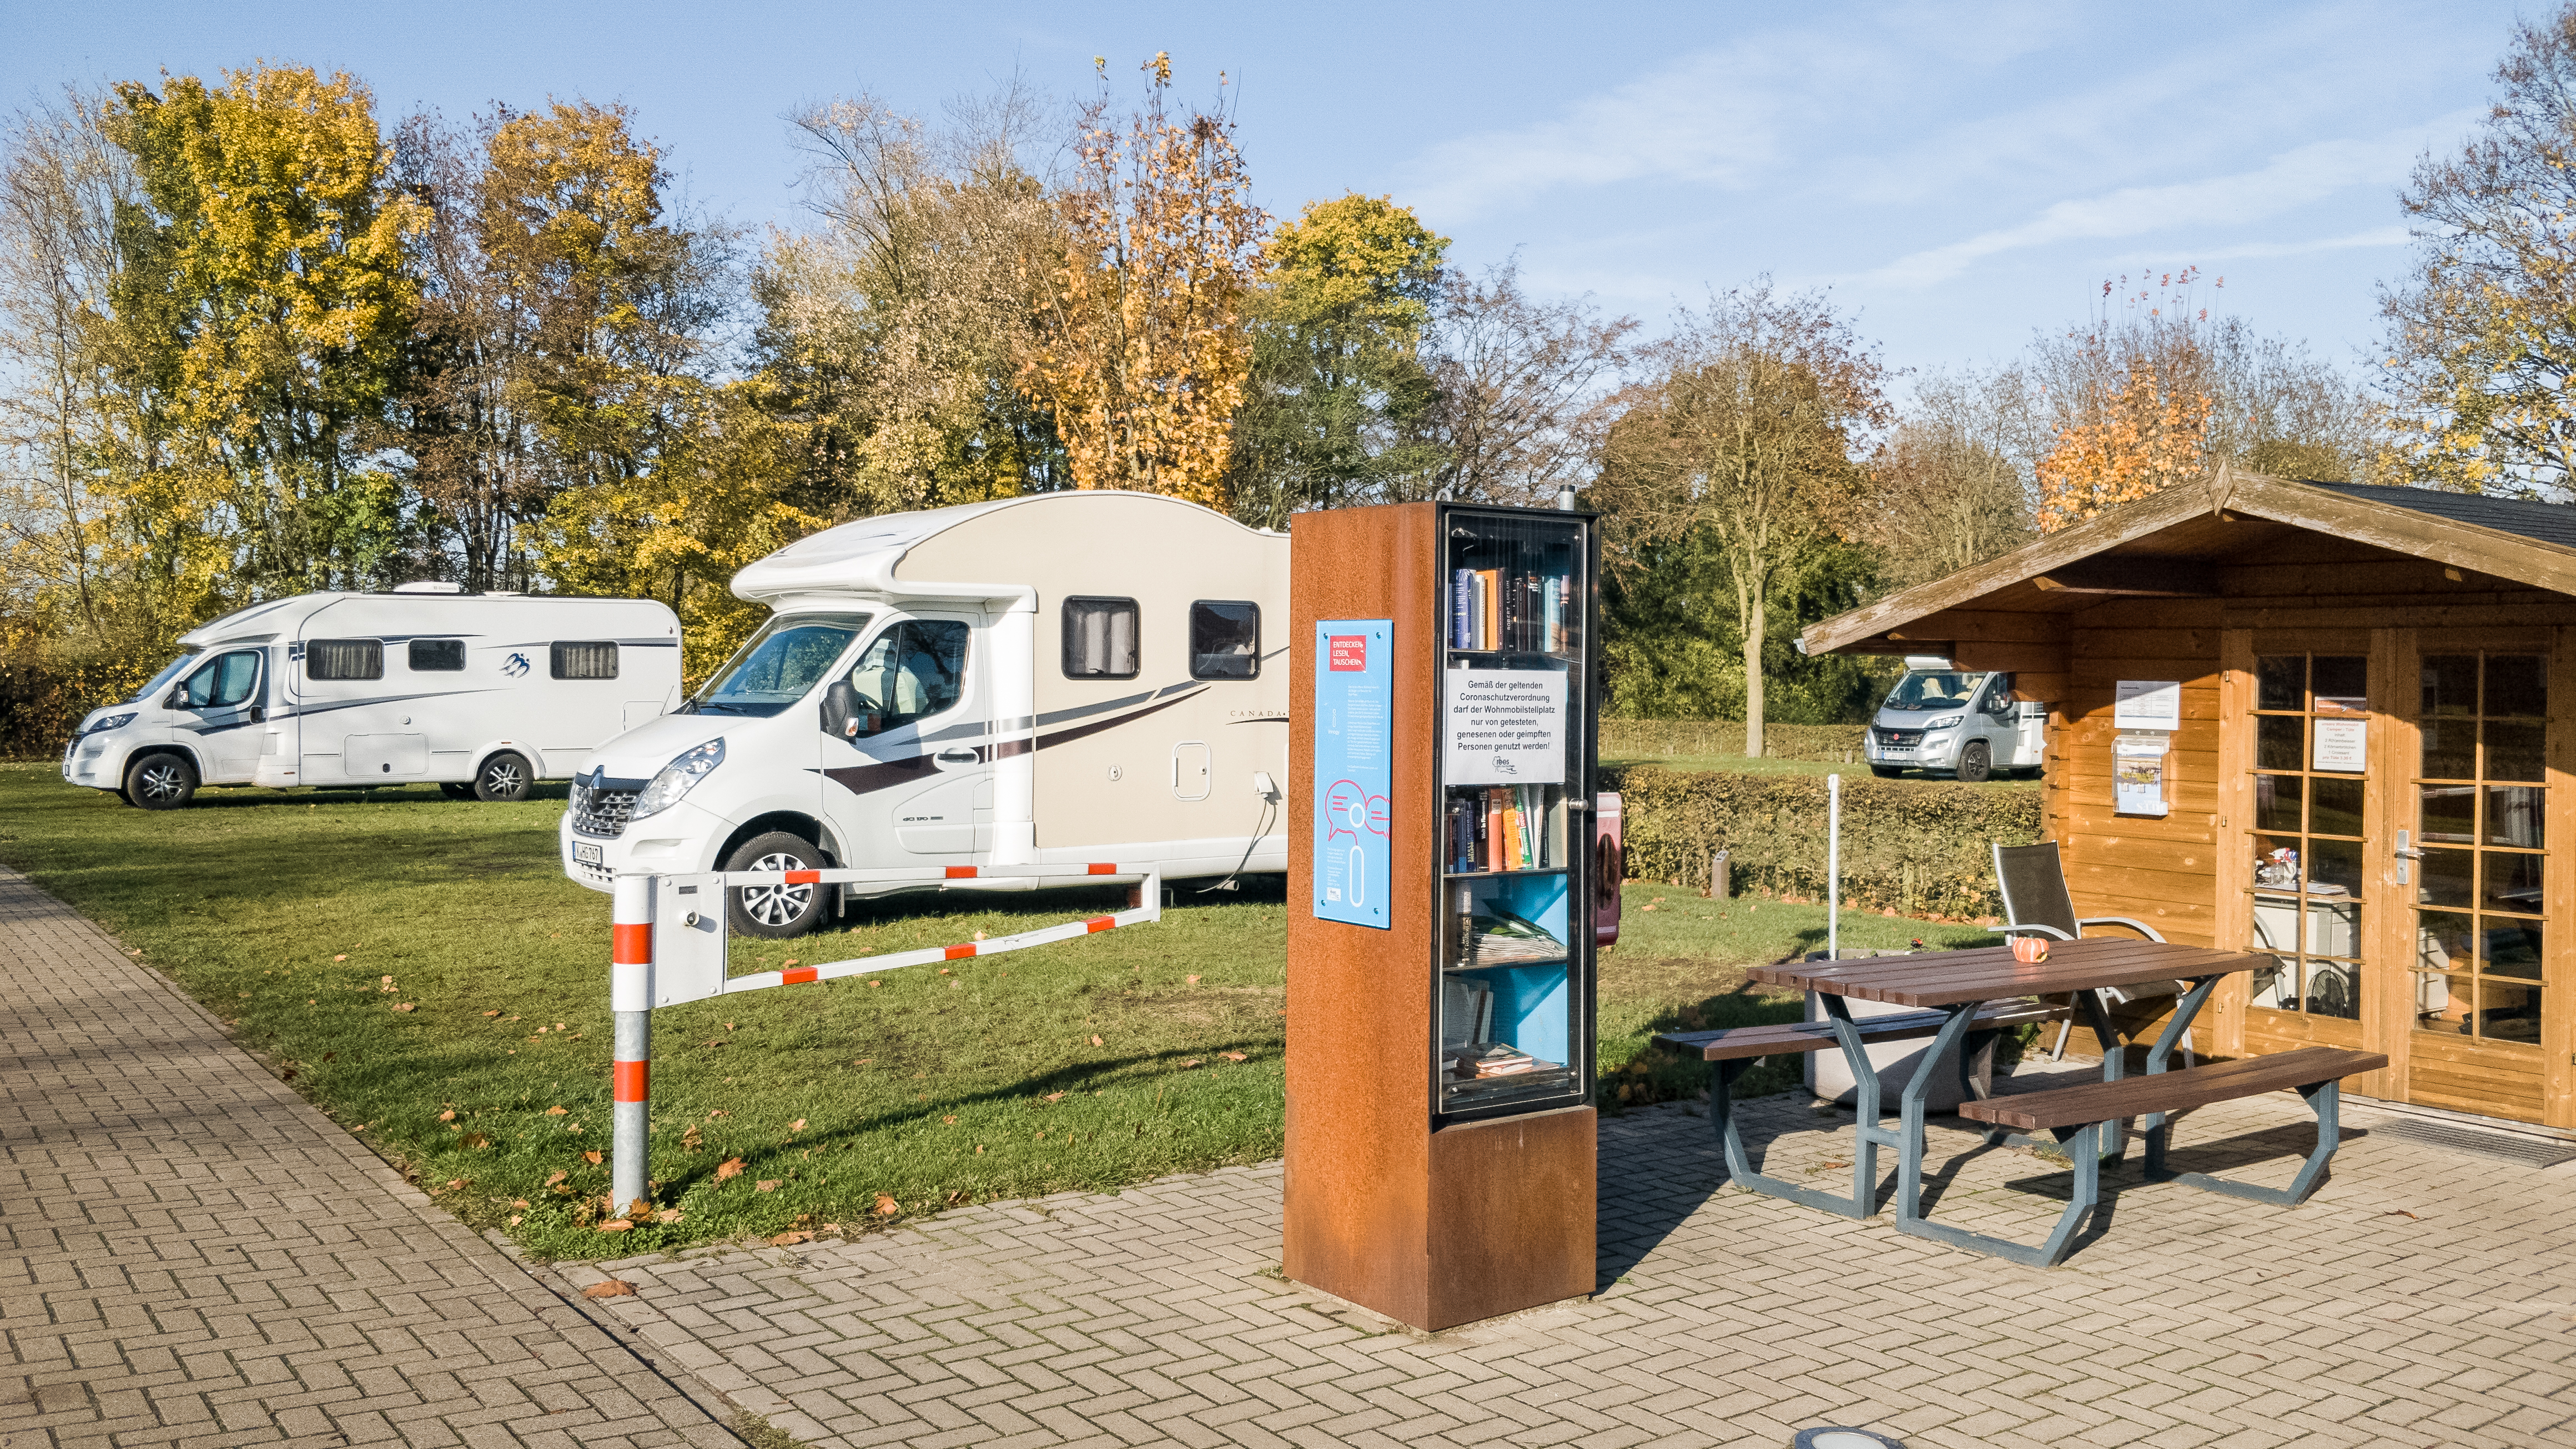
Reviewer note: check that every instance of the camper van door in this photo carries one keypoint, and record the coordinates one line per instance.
(220, 712)
(905, 760)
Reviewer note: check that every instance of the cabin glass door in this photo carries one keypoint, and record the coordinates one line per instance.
(2311, 720)
(2477, 860)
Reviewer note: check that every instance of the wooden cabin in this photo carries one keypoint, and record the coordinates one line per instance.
(2369, 771)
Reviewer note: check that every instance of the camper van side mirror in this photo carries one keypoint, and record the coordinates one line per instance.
(840, 708)
(171, 700)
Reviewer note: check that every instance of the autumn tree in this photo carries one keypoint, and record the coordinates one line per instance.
(1741, 442)
(1520, 387)
(892, 330)
(1951, 484)
(1142, 351)
(2481, 347)
(1339, 394)
(259, 302)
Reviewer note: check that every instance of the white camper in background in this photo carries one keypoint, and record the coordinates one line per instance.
(483, 694)
(1061, 678)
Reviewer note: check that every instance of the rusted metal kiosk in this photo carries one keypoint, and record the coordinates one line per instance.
(2331, 723)
(1440, 1146)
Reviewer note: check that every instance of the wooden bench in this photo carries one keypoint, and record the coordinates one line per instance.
(1736, 1049)
(2078, 1114)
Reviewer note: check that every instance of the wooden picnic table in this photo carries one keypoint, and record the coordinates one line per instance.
(1962, 986)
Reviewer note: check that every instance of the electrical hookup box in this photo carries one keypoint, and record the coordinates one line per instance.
(1443, 886)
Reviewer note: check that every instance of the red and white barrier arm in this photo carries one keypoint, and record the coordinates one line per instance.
(1151, 910)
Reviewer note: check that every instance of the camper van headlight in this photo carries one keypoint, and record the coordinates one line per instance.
(1944, 722)
(112, 722)
(686, 769)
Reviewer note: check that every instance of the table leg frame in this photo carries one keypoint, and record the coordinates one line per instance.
(2324, 1098)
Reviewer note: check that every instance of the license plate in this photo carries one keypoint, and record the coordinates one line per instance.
(587, 852)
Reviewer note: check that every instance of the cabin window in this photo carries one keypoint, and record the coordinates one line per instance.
(228, 681)
(344, 659)
(2308, 875)
(1100, 639)
(437, 656)
(583, 659)
(1225, 639)
(913, 671)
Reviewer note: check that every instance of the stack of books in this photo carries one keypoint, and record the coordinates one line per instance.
(1523, 611)
(1502, 828)
(1496, 937)
(1492, 1059)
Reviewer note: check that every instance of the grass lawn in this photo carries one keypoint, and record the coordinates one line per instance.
(422, 971)
(1747, 765)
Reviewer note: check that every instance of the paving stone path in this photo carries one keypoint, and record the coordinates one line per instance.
(2423, 1297)
(191, 1254)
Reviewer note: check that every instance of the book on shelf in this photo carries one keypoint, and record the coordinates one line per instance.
(1500, 827)
(1482, 1060)
(1466, 1012)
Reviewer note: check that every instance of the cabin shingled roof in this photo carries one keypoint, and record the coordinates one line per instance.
(2541, 522)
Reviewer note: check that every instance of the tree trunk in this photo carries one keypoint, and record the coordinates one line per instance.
(1754, 625)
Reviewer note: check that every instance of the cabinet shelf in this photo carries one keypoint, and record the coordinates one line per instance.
(1507, 965)
(1500, 655)
(1533, 870)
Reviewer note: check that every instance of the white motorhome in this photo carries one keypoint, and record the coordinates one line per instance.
(1061, 678)
(482, 693)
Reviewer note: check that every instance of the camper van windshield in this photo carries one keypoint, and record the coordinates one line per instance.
(169, 671)
(1927, 691)
(789, 655)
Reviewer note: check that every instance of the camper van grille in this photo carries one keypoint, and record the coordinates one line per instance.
(601, 812)
(1898, 737)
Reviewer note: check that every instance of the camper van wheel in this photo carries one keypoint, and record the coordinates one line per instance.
(503, 777)
(1976, 761)
(776, 912)
(161, 782)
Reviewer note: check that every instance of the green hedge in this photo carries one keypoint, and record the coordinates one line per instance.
(41, 701)
(1638, 739)
(1918, 847)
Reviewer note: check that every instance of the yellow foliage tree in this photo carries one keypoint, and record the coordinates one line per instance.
(1142, 351)
(2144, 437)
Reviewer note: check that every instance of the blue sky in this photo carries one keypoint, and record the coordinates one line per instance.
(1958, 174)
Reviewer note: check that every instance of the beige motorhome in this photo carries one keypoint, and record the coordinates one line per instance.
(1062, 678)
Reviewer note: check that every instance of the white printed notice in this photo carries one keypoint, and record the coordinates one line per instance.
(2341, 744)
(1505, 727)
(2147, 704)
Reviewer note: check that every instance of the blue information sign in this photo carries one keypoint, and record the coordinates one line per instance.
(1354, 768)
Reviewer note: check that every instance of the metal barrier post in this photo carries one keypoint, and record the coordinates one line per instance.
(631, 998)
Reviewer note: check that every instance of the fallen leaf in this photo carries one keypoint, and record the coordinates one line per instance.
(558, 1177)
(1192, 1062)
(447, 1116)
(831, 1227)
(1194, 981)
(979, 1149)
(454, 1183)
(343, 956)
(863, 1061)
(728, 1026)
(2397, 1213)
(886, 1205)
(407, 1006)
(518, 1202)
(591, 1157)
(517, 1218)
(1096, 1041)
(719, 1112)
(790, 961)
(876, 983)
(715, 1042)
(615, 1225)
(730, 1167)
(692, 1140)
(767, 1184)
(613, 1288)
(491, 1013)
(796, 1126)
(943, 970)
(1055, 1096)
(475, 1140)
(1231, 1056)
(789, 1240)
(667, 1215)
(556, 1111)
(979, 936)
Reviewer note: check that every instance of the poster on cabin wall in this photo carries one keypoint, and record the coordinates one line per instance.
(2138, 774)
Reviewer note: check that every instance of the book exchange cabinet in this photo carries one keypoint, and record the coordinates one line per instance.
(1440, 1154)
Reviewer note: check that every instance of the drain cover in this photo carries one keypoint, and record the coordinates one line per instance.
(2508, 1146)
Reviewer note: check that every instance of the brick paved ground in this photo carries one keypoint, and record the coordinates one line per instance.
(191, 1254)
(2421, 1298)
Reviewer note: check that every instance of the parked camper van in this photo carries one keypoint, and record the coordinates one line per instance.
(482, 693)
(1066, 677)
(1956, 721)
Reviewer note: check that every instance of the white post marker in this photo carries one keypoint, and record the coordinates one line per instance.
(667, 951)
(1833, 867)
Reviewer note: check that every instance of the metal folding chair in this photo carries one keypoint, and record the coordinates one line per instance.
(2032, 879)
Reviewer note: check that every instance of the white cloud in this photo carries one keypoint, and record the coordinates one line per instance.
(2291, 179)
(2378, 236)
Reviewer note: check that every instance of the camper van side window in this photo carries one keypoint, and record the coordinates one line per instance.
(1225, 639)
(344, 659)
(437, 655)
(1100, 638)
(584, 659)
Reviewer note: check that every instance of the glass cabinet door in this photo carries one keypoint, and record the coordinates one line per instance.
(1514, 1004)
